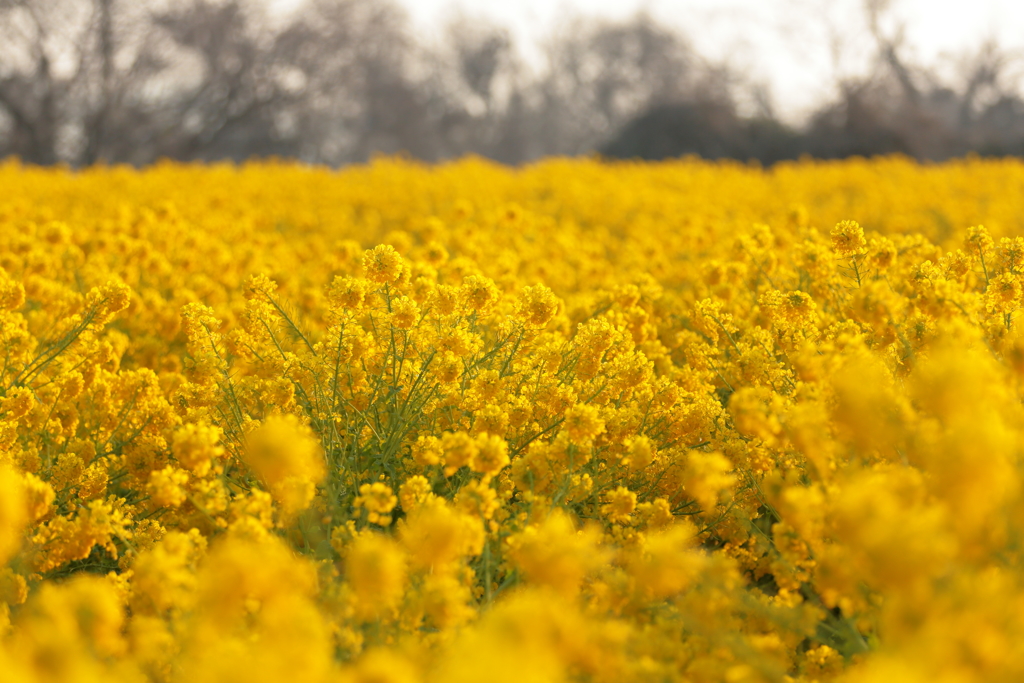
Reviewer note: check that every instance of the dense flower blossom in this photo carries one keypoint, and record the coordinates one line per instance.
(573, 422)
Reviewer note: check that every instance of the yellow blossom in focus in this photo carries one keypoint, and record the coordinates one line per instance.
(1004, 294)
(479, 293)
(537, 305)
(404, 313)
(848, 238)
(382, 264)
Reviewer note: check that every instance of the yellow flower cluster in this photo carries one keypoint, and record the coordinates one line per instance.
(572, 422)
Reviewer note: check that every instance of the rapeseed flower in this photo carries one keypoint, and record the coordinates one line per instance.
(382, 264)
(578, 421)
(848, 238)
(378, 501)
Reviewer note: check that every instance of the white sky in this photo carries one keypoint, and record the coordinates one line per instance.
(787, 44)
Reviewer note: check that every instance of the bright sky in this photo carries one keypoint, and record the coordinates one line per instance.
(787, 44)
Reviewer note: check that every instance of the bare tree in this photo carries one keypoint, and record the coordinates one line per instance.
(362, 94)
(600, 75)
(234, 96)
(117, 80)
(337, 81)
(903, 107)
(44, 61)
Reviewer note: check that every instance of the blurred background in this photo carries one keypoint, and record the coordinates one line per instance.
(338, 81)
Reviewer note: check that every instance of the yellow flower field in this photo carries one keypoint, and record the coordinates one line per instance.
(572, 422)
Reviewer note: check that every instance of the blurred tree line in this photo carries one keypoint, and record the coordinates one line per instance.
(336, 81)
